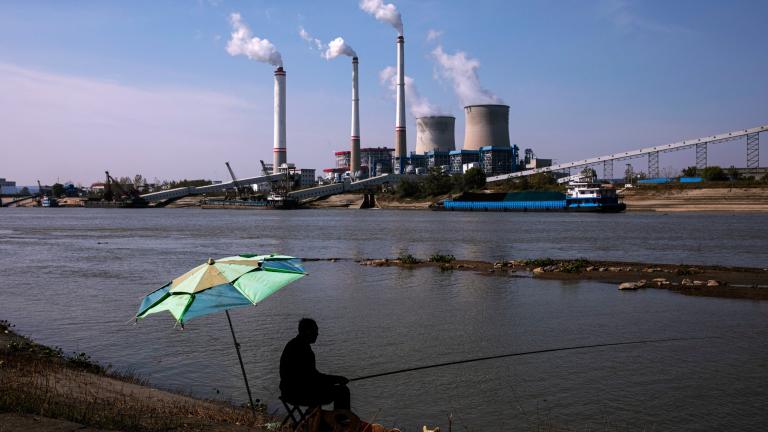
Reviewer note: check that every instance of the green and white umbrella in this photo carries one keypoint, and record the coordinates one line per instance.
(223, 284)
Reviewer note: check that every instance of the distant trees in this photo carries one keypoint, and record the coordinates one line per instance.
(474, 178)
(437, 183)
(57, 190)
(24, 191)
(714, 173)
(691, 171)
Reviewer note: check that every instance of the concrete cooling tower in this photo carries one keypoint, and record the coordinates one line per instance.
(486, 125)
(435, 133)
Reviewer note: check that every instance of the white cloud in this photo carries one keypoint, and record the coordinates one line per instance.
(433, 34)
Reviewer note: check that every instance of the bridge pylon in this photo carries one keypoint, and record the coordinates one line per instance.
(701, 156)
(753, 151)
(653, 164)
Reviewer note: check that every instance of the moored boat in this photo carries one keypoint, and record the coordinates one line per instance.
(583, 194)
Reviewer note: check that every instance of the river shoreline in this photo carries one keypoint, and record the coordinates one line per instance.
(43, 389)
(696, 280)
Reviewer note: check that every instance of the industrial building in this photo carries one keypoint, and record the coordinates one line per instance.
(459, 158)
(498, 160)
(7, 187)
(373, 161)
(438, 159)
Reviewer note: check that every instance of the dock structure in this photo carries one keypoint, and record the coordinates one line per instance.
(652, 153)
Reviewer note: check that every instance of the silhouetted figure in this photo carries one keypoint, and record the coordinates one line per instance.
(300, 381)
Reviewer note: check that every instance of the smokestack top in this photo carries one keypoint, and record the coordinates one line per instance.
(354, 59)
(279, 71)
(400, 39)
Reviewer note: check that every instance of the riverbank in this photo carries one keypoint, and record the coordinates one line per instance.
(697, 280)
(723, 199)
(43, 389)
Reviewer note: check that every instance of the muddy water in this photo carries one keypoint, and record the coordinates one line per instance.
(74, 277)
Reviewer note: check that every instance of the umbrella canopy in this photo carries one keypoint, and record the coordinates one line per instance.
(223, 284)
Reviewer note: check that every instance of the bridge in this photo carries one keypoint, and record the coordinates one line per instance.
(700, 144)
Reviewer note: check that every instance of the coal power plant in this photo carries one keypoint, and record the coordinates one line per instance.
(486, 126)
(435, 133)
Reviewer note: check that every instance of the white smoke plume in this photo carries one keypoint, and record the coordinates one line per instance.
(317, 43)
(386, 12)
(419, 105)
(244, 43)
(338, 47)
(331, 50)
(461, 70)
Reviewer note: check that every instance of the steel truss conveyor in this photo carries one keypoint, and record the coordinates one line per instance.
(199, 190)
(700, 144)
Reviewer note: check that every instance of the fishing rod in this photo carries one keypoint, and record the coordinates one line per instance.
(519, 354)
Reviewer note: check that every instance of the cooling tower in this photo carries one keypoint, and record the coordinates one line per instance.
(279, 150)
(355, 133)
(400, 145)
(435, 133)
(486, 125)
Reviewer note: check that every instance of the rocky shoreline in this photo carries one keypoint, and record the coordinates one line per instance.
(699, 280)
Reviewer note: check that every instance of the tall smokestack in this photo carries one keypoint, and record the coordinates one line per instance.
(355, 134)
(279, 150)
(400, 145)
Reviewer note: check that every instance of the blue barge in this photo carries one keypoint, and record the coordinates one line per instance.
(583, 195)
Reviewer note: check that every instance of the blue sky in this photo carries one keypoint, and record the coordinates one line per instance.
(148, 86)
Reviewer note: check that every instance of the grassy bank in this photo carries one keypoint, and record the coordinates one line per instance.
(44, 382)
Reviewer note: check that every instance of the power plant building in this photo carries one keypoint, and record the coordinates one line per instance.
(486, 126)
(437, 159)
(373, 160)
(458, 158)
(498, 160)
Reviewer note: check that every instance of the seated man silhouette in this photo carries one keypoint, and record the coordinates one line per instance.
(300, 381)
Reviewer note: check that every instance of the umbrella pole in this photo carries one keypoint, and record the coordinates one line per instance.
(240, 358)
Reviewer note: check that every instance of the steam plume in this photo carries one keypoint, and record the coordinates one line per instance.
(386, 12)
(461, 70)
(420, 106)
(338, 47)
(317, 43)
(331, 50)
(244, 43)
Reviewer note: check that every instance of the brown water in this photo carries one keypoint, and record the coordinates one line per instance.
(74, 277)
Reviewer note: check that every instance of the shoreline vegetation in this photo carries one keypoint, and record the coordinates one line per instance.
(697, 280)
(44, 389)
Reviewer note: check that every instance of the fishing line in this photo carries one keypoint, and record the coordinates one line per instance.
(519, 354)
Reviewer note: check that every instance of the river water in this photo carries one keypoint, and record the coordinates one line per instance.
(74, 278)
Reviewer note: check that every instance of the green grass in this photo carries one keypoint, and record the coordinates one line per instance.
(440, 258)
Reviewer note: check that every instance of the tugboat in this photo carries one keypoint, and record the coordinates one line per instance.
(585, 194)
